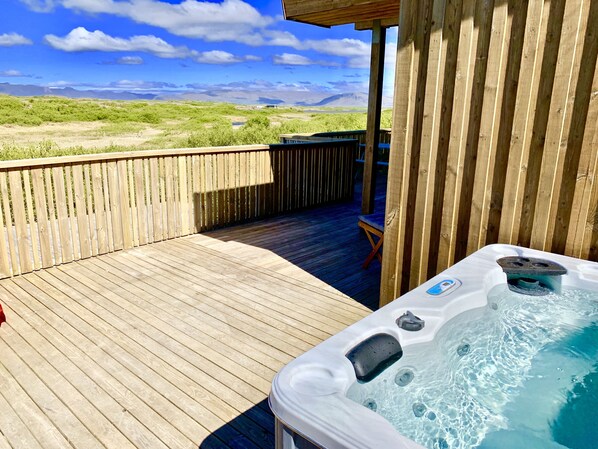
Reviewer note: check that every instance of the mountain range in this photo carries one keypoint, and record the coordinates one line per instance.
(278, 97)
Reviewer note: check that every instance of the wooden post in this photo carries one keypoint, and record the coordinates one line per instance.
(373, 122)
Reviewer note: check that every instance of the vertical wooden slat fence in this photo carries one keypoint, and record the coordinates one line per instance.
(496, 119)
(58, 210)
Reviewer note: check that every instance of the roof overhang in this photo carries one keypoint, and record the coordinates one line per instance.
(328, 13)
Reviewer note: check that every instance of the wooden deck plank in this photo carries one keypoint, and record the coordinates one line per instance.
(248, 286)
(175, 344)
(133, 331)
(174, 329)
(3, 441)
(162, 381)
(216, 326)
(275, 337)
(44, 398)
(85, 403)
(29, 413)
(14, 430)
(96, 363)
(128, 427)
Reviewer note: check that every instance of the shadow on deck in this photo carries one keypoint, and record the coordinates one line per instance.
(322, 246)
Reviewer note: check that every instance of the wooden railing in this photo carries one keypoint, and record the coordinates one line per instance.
(359, 135)
(59, 210)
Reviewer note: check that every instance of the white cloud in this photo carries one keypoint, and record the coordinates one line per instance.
(130, 60)
(339, 47)
(356, 52)
(282, 39)
(259, 86)
(295, 59)
(217, 57)
(40, 5)
(61, 83)
(81, 39)
(12, 73)
(363, 61)
(139, 85)
(12, 39)
(129, 85)
(222, 57)
(230, 20)
(291, 59)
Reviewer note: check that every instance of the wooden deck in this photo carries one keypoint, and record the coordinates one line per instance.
(174, 344)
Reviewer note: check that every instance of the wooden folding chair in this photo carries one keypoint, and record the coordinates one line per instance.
(373, 225)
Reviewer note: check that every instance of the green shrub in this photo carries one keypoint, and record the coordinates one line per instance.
(259, 121)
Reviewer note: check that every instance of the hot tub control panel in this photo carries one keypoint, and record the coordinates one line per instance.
(444, 287)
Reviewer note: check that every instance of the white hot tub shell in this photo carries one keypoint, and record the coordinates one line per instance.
(309, 395)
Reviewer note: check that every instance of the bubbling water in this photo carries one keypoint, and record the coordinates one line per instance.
(509, 367)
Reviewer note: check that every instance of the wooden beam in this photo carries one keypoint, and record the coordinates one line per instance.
(294, 8)
(373, 122)
(369, 24)
(343, 12)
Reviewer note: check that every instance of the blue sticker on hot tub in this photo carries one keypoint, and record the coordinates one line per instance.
(442, 287)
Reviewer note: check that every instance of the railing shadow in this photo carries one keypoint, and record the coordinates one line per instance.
(324, 241)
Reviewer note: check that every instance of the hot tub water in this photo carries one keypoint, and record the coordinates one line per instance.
(514, 374)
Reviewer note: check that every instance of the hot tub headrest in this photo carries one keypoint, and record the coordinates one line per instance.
(374, 355)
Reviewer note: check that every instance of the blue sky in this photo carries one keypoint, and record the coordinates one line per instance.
(177, 45)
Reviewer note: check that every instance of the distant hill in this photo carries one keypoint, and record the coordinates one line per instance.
(19, 90)
(280, 98)
(344, 100)
(27, 90)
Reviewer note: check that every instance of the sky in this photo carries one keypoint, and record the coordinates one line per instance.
(179, 45)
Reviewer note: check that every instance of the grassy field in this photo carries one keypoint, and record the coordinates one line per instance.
(51, 126)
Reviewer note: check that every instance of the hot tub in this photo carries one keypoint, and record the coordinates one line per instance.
(487, 356)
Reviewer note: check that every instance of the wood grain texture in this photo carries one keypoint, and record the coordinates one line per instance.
(455, 152)
(556, 143)
(426, 179)
(498, 53)
(43, 222)
(394, 258)
(341, 11)
(21, 227)
(64, 224)
(519, 163)
(32, 228)
(81, 212)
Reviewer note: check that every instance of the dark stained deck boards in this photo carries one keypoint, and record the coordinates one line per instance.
(174, 344)
(323, 246)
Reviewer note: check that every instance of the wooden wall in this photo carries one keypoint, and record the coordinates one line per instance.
(58, 210)
(496, 136)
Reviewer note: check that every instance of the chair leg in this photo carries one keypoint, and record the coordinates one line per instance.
(375, 251)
